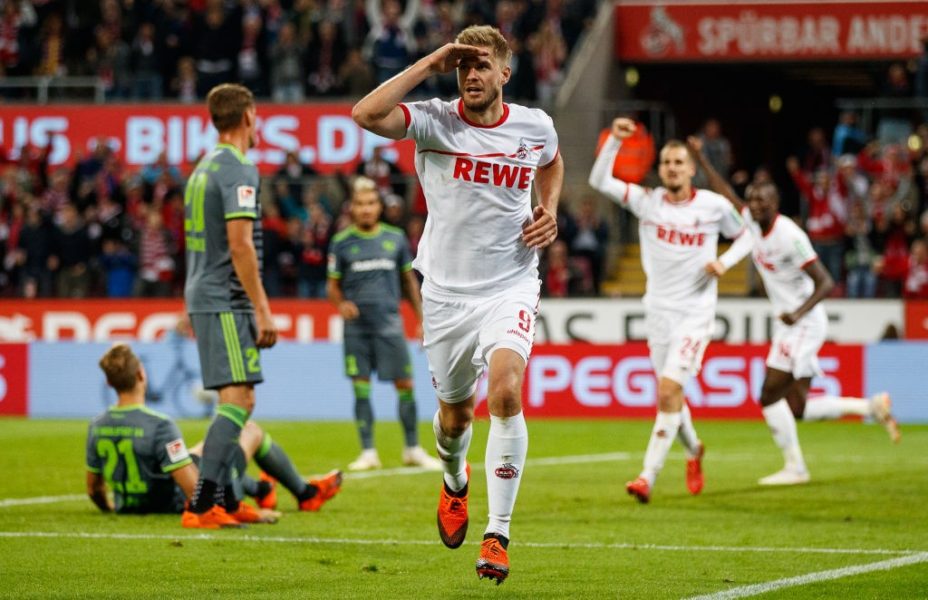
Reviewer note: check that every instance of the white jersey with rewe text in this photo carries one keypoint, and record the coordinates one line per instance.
(477, 182)
(781, 256)
(678, 239)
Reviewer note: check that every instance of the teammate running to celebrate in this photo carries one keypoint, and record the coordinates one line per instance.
(370, 266)
(228, 306)
(141, 456)
(678, 227)
(796, 283)
(477, 158)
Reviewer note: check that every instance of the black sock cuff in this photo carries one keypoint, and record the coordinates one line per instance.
(502, 539)
(461, 493)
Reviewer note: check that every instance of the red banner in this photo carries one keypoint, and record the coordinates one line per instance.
(14, 375)
(916, 320)
(787, 31)
(147, 320)
(588, 381)
(322, 134)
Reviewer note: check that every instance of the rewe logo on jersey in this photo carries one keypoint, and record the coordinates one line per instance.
(680, 238)
(500, 175)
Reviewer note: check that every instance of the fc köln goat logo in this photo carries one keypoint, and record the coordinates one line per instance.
(522, 152)
(506, 471)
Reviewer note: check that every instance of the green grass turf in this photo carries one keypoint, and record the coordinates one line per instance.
(865, 494)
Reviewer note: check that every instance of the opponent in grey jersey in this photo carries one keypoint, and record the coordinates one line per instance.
(138, 453)
(370, 266)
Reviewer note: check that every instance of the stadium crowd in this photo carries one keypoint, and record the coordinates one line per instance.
(287, 50)
(99, 229)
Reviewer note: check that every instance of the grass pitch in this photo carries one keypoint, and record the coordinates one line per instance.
(575, 532)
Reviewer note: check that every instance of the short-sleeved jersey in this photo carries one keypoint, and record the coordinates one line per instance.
(369, 265)
(477, 182)
(136, 449)
(678, 239)
(223, 186)
(781, 255)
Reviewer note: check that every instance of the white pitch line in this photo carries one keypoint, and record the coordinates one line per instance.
(779, 584)
(40, 500)
(392, 542)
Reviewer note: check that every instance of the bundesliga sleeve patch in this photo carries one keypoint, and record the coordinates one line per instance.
(177, 450)
(246, 196)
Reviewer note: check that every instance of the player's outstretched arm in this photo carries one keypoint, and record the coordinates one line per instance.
(601, 178)
(717, 183)
(245, 263)
(96, 490)
(823, 286)
(549, 180)
(379, 111)
(742, 246)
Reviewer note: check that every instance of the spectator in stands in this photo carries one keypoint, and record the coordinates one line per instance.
(156, 262)
(287, 66)
(311, 270)
(414, 229)
(916, 280)
(894, 232)
(355, 77)
(297, 175)
(184, 86)
(324, 59)
(274, 230)
(590, 241)
(52, 48)
(826, 212)
(848, 137)
(389, 44)
(119, 267)
(154, 172)
(394, 210)
(716, 147)
(17, 20)
(33, 255)
(58, 194)
(817, 155)
(109, 60)
(549, 51)
(216, 42)
(560, 278)
(70, 255)
(385, 174)
(921, 78)
(895, 124)
(522, 83)
(250, 61)
(145, 62)
(860, 255)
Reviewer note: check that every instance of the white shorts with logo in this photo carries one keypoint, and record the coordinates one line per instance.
(677, 341)
(460, 332)
(794, 349)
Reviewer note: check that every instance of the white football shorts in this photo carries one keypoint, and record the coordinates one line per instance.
(677, 342)
(794, 349)
(460, 333)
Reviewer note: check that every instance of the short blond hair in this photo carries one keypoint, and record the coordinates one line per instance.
(121, 366)
(363, 184)
(487, 37)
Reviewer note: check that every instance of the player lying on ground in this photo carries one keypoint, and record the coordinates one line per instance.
(796, 283)
(227, 303)
(140, 455)
(679, 227)
(477, 158)
(370, 270)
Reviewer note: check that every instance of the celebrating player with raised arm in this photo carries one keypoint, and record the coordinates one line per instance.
(225, 298)
(678, 227)
(476, 157)
(796, 283)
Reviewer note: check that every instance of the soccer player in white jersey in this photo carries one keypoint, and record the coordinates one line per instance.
(796, 283)
(478, 159)
(678, 227)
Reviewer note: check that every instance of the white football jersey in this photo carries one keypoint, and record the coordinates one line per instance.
(781, 256)
(478, 187)
(678, 239)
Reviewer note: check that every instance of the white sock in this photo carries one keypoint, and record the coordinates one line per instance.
(832, 407)
(507, 446)
(665, 430)
(782, 426)
(453, 454)
(687, 433)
